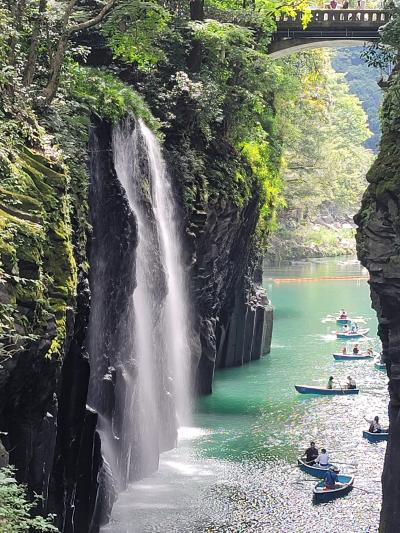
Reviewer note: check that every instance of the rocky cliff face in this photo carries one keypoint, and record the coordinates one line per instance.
(378, 246)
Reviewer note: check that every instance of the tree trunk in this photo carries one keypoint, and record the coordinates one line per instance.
(17, 14)
(30, 67)
(197, 9)
(55, 71)
(195, 54)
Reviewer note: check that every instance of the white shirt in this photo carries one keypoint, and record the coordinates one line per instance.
(322, 459)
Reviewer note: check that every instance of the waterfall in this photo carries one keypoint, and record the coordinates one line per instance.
(139, 328)
(175, 316)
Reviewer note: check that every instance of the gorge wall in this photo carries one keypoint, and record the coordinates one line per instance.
(378, 247)
(78, 419)
(57, 412)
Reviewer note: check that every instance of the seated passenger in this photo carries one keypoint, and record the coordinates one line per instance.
(351, 384)
(355, 349)
(330, 383)
(323, 458)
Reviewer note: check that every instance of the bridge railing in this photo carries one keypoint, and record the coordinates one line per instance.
(333, 17)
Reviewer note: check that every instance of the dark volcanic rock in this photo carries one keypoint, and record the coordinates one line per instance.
(378, 246)
(232, 316)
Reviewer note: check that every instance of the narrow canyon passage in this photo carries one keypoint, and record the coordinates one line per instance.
(235, 469)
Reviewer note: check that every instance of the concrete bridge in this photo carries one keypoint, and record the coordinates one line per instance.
(327, 28)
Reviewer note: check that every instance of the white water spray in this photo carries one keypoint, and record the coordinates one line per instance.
(161, 317)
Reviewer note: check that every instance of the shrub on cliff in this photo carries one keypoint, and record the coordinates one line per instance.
(15, 509)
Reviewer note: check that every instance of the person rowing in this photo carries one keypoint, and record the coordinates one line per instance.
(311, 454)
(331, 478)
(374, 425)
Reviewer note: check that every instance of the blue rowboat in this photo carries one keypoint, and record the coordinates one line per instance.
(313, 470)
(375, 437)
(343, 321)
(352, 334)
(378, 364)
(351, 356)
(323, 391)
(343, 485)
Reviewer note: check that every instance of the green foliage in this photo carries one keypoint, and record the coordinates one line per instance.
(362, 80)
(132, 30)
(323, 128)
(15, 509)
(105, 95)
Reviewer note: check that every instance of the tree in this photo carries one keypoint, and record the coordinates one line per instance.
(66, 32)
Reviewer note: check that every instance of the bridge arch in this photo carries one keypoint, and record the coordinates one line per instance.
(327, 28)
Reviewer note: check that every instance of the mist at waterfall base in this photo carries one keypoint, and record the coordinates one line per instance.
(146, 359)
(234, 471)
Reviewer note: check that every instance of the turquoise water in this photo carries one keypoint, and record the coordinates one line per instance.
(234, 470)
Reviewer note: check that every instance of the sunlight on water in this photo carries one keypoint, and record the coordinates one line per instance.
(235, 471)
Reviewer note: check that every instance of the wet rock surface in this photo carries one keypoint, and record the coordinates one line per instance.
(378, 247)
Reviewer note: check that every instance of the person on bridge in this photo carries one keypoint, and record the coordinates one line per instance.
(345, 4)
(333, 4)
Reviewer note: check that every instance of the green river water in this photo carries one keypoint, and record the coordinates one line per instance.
(234, 470)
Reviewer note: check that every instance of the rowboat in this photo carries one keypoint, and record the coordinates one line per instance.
(343, 321)
(313, 470)
(343, 485)
(352, 334)
(351, 356)
(378, 364)
(323, 391)
(375, 437)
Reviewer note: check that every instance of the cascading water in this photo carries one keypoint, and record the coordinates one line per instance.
(144, 357)
(175, 312)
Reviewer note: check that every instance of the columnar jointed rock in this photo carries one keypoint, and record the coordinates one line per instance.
(232, 316)
(378, 246)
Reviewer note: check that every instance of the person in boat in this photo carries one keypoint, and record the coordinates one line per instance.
(356, 350)
(354, 328)
(351, 383)
(374, 425)
(330, 383)
(344, 350)
(331, 477)
(370, 351)
(345, 328)
(311, 454)
(343, 314)
(323, 459)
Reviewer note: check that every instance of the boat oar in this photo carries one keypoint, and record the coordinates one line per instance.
(367, 491)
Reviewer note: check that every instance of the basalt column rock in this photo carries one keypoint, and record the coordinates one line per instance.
(231, 312)
(378, 246)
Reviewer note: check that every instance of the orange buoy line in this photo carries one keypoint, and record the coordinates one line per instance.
(323, 278)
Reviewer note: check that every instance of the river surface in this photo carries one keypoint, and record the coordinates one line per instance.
(234, 470)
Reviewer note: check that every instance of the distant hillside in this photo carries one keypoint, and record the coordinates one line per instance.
(362, 82)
